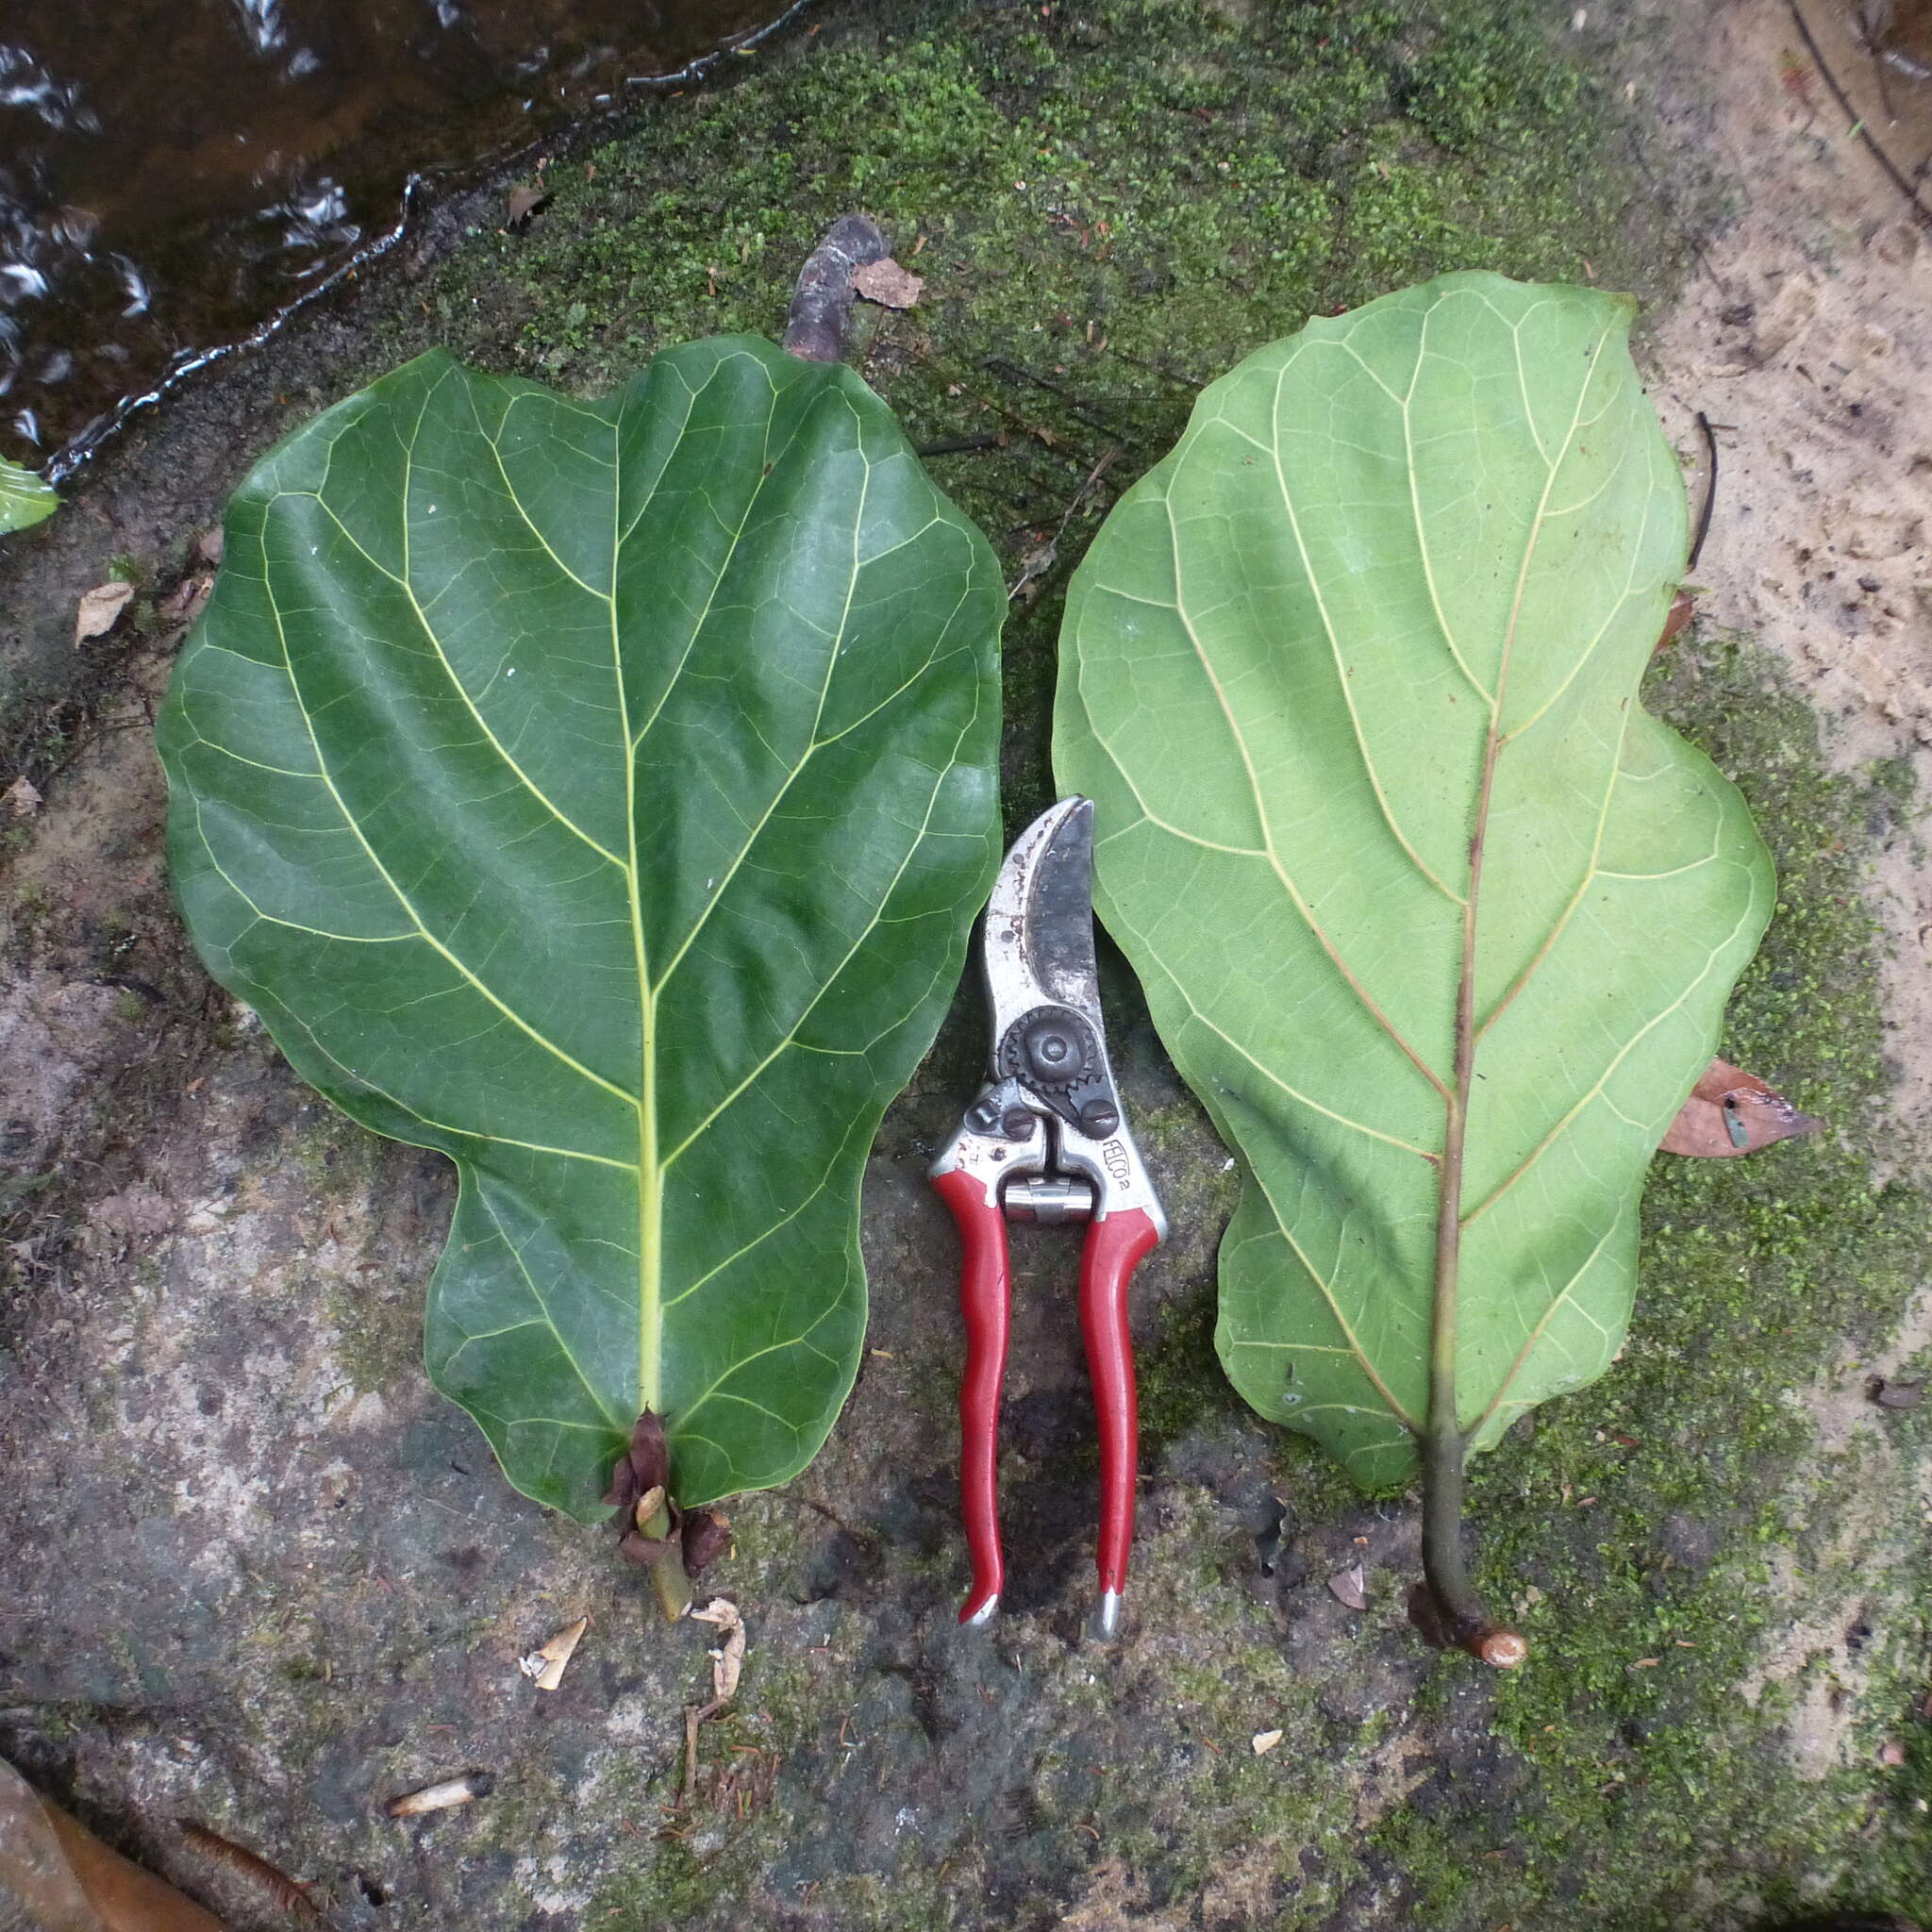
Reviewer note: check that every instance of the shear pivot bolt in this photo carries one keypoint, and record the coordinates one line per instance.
(1098, 1118)
(1016, 1123)
(1055, 1050)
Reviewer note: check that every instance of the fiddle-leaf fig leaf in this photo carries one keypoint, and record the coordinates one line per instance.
(601, 794)
(25, 498)
(1434, 918)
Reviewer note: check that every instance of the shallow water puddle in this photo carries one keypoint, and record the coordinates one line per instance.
(172, 175)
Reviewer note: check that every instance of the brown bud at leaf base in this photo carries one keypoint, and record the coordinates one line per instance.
(646, 1465)
(707, 1537)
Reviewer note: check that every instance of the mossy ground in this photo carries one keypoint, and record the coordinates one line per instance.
(1112, 204)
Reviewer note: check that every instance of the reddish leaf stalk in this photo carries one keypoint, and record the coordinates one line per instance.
(1462, 1617)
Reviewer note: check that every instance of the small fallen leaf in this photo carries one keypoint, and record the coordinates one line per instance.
(206, 547)
(100, 611)
(1647, 1663)
(728, 1661)
(21, 800)
(525, 201)
(1892, 1753)
(888, 284)
(546, 1663)
(1676, 617)
(1729, 1112)
(1264, 1742)
(1898, 1394)
(443, 1796)
(1349, 1587)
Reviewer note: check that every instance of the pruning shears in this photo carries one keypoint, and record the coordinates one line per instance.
(1045, 1139)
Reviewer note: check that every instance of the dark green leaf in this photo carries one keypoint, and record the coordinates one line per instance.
(601, 794)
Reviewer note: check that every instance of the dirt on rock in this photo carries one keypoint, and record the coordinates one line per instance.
(1805, 340)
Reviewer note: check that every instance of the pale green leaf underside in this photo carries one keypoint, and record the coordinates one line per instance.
(25, 498)
(1282, 661)
(601, 794)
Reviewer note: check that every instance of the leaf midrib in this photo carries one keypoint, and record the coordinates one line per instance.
(1443, 1418)
(1457, 1093)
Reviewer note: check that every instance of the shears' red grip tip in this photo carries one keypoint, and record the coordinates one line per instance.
(1114, 1248)
(985, 1300)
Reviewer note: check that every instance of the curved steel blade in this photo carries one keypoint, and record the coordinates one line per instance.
(1038, 943)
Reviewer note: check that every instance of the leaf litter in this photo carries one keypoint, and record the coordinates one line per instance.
(100, 609)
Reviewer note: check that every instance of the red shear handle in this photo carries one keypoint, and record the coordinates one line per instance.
(984, 1301)
(1114, 1248)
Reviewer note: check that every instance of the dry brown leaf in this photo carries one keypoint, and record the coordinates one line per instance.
(67, 1881)
(1676, 617)
(888, 284)
(100, 611)
(525, 201)
(728, 1661)
(1891, 1754)
(545, 1664)
(1349, 1587)
(1264, 1742)
(1729, 1112)
(21, 800)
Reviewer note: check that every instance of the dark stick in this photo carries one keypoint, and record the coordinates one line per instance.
(959, 446)
(1709, 493)
(1012, 372)
(1900, 180)
(821, 303)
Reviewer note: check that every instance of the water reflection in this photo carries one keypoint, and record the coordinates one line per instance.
(173, 171)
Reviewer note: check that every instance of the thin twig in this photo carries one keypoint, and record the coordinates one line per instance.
(960, 445)
(694, 1714)
(1041, 560)
(1710, 492)
(1899, 180)
(1014, 373)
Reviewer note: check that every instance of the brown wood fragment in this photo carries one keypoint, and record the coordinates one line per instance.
(291, 1895)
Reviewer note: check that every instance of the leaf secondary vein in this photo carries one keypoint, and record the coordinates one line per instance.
(1301, 905)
